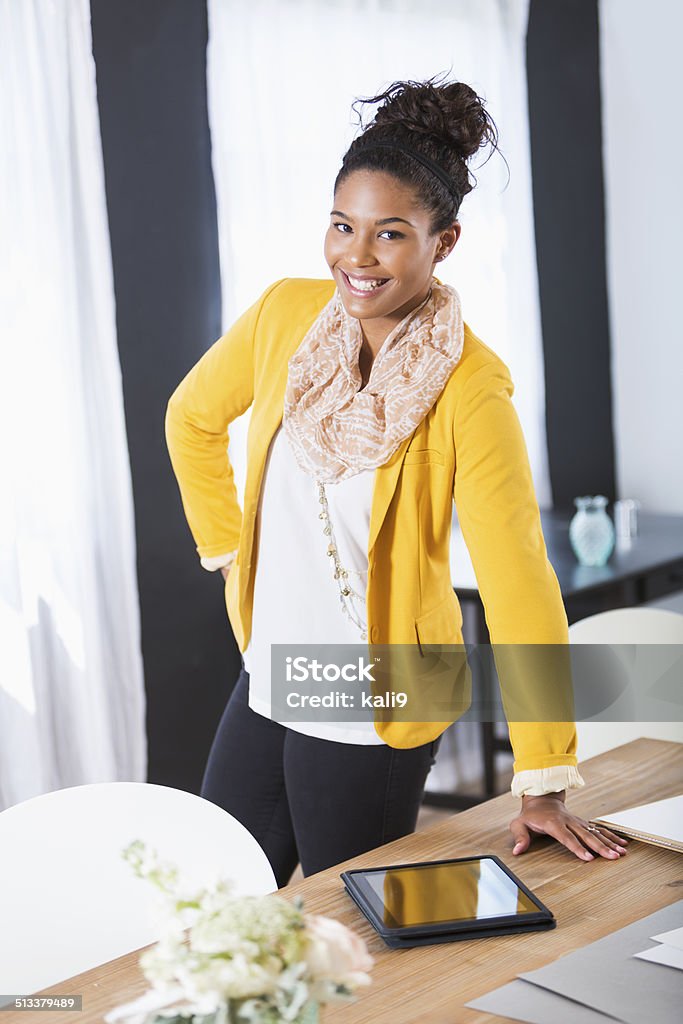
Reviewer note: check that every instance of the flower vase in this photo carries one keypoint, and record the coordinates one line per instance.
(591, 531)
(310, 1014)
(230, 1014)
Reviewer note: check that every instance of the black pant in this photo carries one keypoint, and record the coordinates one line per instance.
(311, 800)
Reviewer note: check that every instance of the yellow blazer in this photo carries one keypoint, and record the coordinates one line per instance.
(469, 448)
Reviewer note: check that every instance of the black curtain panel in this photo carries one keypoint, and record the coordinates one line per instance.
(563, 74)
(151, 85)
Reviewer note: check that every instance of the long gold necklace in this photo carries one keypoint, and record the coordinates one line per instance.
(341, 575)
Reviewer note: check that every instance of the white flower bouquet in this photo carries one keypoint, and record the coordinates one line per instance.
(244, 959)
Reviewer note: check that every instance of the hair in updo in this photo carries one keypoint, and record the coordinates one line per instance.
(446, 122)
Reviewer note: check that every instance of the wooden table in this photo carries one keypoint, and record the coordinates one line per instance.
(430, 985)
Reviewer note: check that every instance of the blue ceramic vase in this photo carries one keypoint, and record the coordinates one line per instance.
(591, 531)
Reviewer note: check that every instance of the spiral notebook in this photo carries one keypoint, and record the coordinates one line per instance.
(660, 823)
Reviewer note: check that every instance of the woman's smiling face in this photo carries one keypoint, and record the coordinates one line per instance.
(379, 247)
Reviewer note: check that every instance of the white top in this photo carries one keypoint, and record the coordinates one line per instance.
(296, 598)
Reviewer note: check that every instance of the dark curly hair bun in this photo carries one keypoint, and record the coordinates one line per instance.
(453, 114)
(444, 122)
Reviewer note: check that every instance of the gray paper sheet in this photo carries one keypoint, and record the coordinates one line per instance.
(520, 1000)
(597, 984)
(606, 976)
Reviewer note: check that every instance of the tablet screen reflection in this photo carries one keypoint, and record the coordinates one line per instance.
(471, 891)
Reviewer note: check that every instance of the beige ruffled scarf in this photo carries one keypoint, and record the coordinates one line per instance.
(334, 428)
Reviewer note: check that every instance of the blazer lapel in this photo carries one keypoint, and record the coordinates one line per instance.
(386, 478)
(272, 417)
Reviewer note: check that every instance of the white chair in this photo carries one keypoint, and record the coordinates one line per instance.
(68, 900)
(621, 628)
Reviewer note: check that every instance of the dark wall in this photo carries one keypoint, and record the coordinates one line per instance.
(151, 85)
(563, 77)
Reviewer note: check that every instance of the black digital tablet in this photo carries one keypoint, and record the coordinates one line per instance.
(445, 901)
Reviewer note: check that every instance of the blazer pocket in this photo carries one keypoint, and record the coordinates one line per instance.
(418, 456)
(442, 625)
(446, 682)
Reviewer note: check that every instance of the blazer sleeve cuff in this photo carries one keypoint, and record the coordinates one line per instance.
(537, 781)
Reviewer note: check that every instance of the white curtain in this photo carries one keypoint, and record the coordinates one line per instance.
(71, 679)
(282, 75)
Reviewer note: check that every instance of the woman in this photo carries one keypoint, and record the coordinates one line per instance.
(373, 408)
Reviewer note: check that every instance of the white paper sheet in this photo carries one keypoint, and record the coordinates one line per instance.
(667, 955)
(673, 938)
